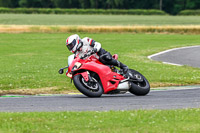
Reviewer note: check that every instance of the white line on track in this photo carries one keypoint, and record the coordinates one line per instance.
(172, 64)
(169, 50)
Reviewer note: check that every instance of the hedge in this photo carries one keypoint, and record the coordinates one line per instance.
(81, 11)
(190, 12)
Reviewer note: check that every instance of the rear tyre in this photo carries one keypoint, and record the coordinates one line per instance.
(139, 88)
(88, 89)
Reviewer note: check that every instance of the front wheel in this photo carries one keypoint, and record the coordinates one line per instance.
(140, 88)
(90, 89)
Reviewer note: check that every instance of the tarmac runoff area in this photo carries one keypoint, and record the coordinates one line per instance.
(160, 98)
(179, 56)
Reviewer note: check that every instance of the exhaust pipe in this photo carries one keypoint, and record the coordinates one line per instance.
(124, 86)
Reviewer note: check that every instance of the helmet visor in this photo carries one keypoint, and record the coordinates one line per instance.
(71, 45)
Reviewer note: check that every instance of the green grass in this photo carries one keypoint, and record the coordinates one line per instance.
(153, 121)
(33, 60)
(41, 19)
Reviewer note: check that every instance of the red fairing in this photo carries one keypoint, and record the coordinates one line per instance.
(109, 79)
(77, 59)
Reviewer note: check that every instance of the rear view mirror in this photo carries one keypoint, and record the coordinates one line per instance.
(61, 71)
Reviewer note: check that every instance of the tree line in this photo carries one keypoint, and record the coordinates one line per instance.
(169, 6)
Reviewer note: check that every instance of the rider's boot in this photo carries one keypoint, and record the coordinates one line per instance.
(122, 66)
(118, 64)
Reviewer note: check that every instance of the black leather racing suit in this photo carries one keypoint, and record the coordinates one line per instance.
(106, 58)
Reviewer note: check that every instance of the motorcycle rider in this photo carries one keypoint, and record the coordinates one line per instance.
(87, 45)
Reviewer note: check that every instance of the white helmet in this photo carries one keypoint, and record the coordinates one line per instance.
(73, 43)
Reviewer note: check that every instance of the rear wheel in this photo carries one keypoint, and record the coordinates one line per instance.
(141, 87)
(89, 88)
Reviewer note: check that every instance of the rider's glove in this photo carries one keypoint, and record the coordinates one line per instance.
(94, 50)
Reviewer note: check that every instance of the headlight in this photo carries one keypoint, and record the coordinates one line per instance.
(78, 65)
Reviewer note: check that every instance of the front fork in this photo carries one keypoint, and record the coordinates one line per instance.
(86, 76)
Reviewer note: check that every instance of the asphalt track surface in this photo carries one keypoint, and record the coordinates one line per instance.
(168, 99)
(180, 56)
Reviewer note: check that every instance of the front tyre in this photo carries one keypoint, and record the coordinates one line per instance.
(93, 89)
(139, 88)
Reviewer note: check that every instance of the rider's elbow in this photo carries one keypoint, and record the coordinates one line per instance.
(97, 46)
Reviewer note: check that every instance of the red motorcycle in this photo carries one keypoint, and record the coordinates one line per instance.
(92, 78)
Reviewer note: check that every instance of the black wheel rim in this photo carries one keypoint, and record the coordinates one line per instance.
(90, 85)
(140, 77)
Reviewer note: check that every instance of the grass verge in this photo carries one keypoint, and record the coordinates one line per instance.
(110, 20)
(192, 29)
(32, 60)
(185, 120)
